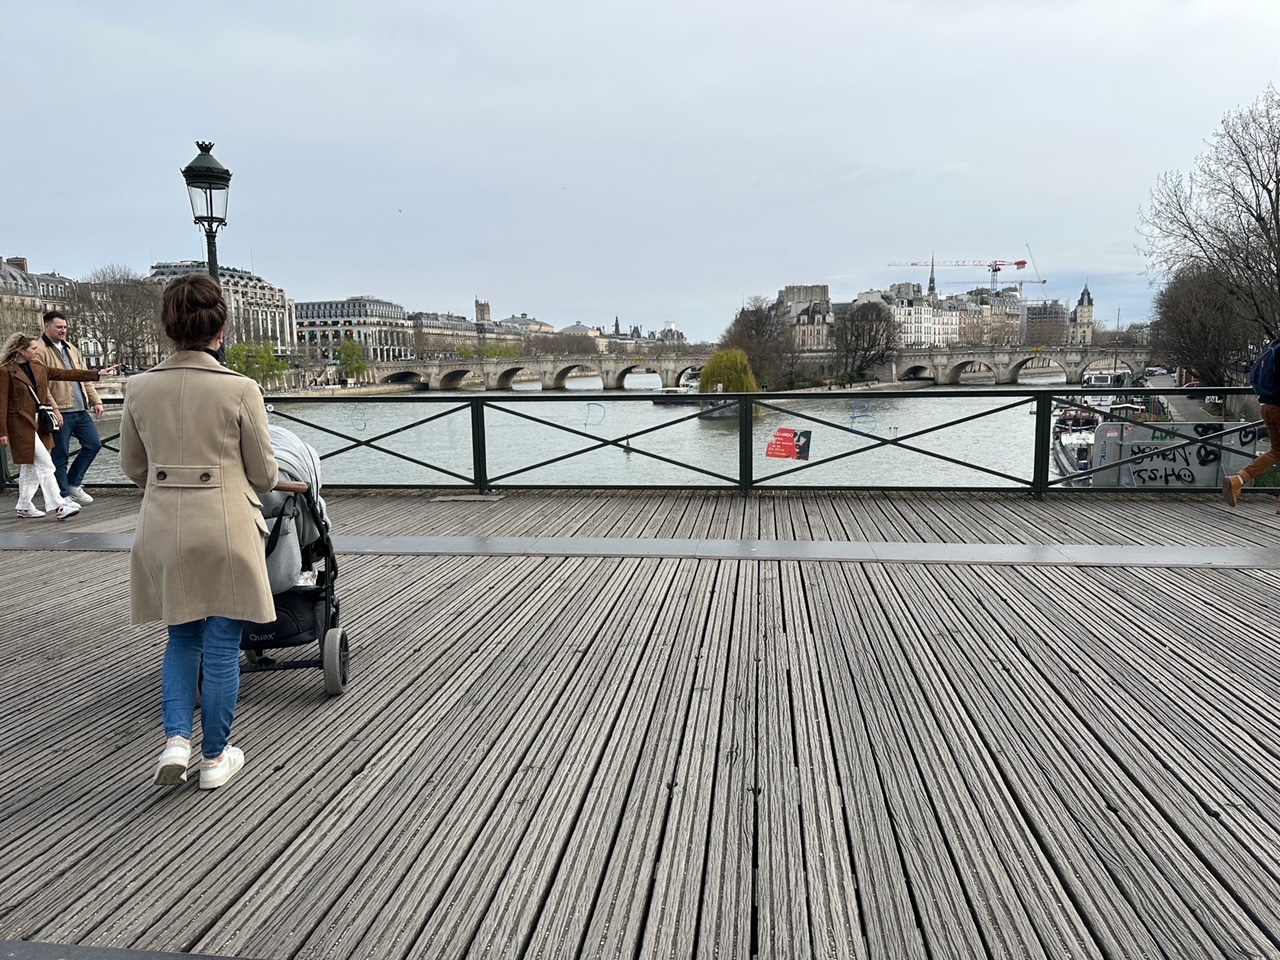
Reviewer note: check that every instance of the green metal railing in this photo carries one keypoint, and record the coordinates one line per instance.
(369, 457)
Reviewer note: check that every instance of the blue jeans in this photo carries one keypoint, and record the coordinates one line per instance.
(217, 641)
(78, 424)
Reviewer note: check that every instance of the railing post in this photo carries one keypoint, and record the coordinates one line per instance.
(745, 409)
(479, 461)
(1044, 444)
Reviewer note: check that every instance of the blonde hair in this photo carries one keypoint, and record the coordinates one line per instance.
(14, 345)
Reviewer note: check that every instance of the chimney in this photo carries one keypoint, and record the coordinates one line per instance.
(18, 262)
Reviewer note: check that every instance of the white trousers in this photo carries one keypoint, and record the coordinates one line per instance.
(39, 475)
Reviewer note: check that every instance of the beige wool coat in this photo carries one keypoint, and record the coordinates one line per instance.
(18, 406)
(194, 436)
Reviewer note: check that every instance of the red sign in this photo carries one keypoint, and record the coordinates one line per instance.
(789, 444)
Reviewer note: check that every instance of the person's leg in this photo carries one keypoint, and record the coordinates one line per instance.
(44, 469)
(221, 685)
(86, 434)
(62, 451)
(1263, 463)
(28, 484)
(181, 677)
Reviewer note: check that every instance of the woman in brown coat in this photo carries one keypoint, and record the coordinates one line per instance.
(194, 436)
(23, 378)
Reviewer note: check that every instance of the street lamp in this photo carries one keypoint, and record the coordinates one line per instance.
(208, 183)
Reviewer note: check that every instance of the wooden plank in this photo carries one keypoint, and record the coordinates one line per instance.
(783, 926)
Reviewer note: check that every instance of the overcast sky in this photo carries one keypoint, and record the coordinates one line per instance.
(654, 161)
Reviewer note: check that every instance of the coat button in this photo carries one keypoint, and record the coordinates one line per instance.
(206, 477)
(162, 475)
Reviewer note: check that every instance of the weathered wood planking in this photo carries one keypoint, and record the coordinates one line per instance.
(573, 757)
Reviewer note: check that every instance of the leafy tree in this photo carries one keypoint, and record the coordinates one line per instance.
(1225, 216)
(863, 338)
(732, 369)
(351, 360)
(761, 332)
(1198, 325)
(121, 309)
(256, 360)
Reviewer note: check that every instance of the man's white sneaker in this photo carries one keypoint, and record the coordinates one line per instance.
(173, 762)
(214, 773)
(77, 494)
(69, 508)
(29, 510)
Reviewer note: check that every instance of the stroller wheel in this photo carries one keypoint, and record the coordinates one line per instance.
(335, 654)
(252, 656)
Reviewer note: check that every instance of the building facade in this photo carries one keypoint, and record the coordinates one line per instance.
(257, 311)
(20, 301)
(1080, 325)
(381, 328)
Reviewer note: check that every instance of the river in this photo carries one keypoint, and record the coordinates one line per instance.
(518, 446)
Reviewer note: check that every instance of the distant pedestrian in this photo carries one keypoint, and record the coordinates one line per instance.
(194, 436)
(24, 387)
(1263, 376)
(79, 404)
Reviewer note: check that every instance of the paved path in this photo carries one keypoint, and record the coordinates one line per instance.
(961, 726)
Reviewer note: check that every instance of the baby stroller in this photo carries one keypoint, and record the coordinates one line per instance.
(302, 569)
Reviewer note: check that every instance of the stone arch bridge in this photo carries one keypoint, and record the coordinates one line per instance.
(551, 372)
(947, 364)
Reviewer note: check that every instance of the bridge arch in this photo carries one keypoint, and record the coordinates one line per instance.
(953, 375)
(919, 371)
(407, 376)
(1052, 366)
(559, 379)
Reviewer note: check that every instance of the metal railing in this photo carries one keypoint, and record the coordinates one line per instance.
(956, 439)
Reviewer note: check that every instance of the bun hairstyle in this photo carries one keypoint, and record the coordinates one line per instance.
(16, 343)
(193, 311)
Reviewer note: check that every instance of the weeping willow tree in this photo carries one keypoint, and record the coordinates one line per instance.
(728, 371)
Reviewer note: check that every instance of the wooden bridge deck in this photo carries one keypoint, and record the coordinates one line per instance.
(660, 756)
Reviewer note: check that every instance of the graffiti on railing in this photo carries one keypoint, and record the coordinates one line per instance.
(1167, 455)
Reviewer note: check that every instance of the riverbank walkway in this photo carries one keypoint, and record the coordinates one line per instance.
(677, 725)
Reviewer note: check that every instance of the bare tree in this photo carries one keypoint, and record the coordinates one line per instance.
(560, 344)
(18, 314)
(1225, 216)
(121, 309)
(761, 332)
(1198, 326)
(863, 338)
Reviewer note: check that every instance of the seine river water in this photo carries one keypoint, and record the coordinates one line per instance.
(374, 441)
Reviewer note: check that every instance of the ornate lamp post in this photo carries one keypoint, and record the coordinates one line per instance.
(208, 183)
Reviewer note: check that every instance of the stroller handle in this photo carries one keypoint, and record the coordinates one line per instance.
(291, 486)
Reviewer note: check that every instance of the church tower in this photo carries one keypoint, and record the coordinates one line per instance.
(1081, 327)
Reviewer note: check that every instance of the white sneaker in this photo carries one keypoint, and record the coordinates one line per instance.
(214, 773)
(78, 494)
(173, 762)
(28, 510)
(69, 508)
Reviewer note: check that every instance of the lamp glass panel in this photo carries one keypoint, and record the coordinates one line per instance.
(208, 202)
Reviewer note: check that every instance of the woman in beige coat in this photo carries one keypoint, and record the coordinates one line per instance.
(194, 437)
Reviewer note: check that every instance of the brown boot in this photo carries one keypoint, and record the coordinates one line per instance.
(1231, 487)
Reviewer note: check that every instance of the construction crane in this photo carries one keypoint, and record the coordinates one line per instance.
(993, 266)
(976, 283)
